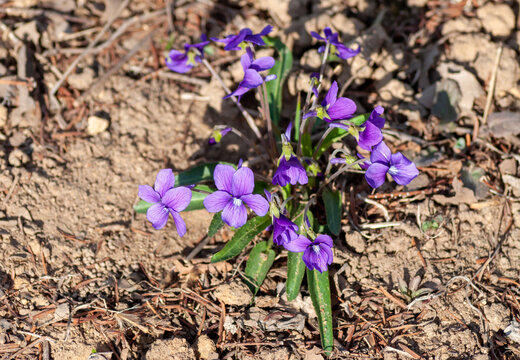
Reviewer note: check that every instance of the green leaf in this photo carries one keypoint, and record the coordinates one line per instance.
(260, 261)
(215, 225)
(281, 69)
(198, 173)
(297, 118)
(295, 272)
(332, 201)
(242, 237)
(319, 288)
(197, 198)
(295, 264)
(306, 144)
(337, 134)
(142, 207)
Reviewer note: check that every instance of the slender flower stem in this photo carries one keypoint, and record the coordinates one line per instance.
(314, 101)
(338, 173)
(267, 115)
(322, 139)
(247, 116)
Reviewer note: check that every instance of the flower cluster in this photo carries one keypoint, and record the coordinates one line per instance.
(235, 187)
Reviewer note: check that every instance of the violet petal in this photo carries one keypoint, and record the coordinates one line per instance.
(164, 181)
(243, 182)
(148, 194)
(257, 203)
(216, 201)
(157, 214)
(177, 198)
(376, 174)
(234, 215)
(179, 223)
(223, 176)
(298, 245)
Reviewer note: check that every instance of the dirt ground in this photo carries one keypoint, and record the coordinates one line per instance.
(84, 277)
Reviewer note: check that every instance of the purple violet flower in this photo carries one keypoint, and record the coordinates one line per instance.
(290, 171)
(183, 62)
(333, 108)
(235, 188)
(218, 135)
(316, 255)
(337, 48)
(383, 161)
(233, 41)
(372, 135)
(284, 230)
(166, 199)
(252, 78)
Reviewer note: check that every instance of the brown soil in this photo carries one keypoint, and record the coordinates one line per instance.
(81, 272)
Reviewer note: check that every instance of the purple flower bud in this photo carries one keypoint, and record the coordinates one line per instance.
(218, 135)
(290, 172)
(235, 189)
(317, 254)
(232, 42)
(383, 161)
(284, 230)
(372, 135)
(333, 108)
(183, 62)
(337, 48)
(166, 199)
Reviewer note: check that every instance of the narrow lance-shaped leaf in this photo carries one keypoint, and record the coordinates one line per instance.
(196, 203)
(260, 261)
(198, 173)
(297, 118)
(215, 225)
(295, 264)
(242, 237)
(281, 69)
(332, 201)
(319, 288)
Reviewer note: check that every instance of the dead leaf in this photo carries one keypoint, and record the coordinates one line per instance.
(313, 354)
(502, 124)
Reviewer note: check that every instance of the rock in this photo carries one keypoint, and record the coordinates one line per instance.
(461, 25)
(497, 316)
(236, 293)
(311, 59)
(508, 166)
(18, 158)
(284, 10)
(366, 7)
(479, 52)
(393, 91)
(17, 139)
(416, 3)
(170, 349)
(3, 116)
(497, 19)
(205, 348)
(347, 27)
(24, 3)
(512, 331)
(83, 79)
(96, 125)
(371, 43)
(508, 69)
